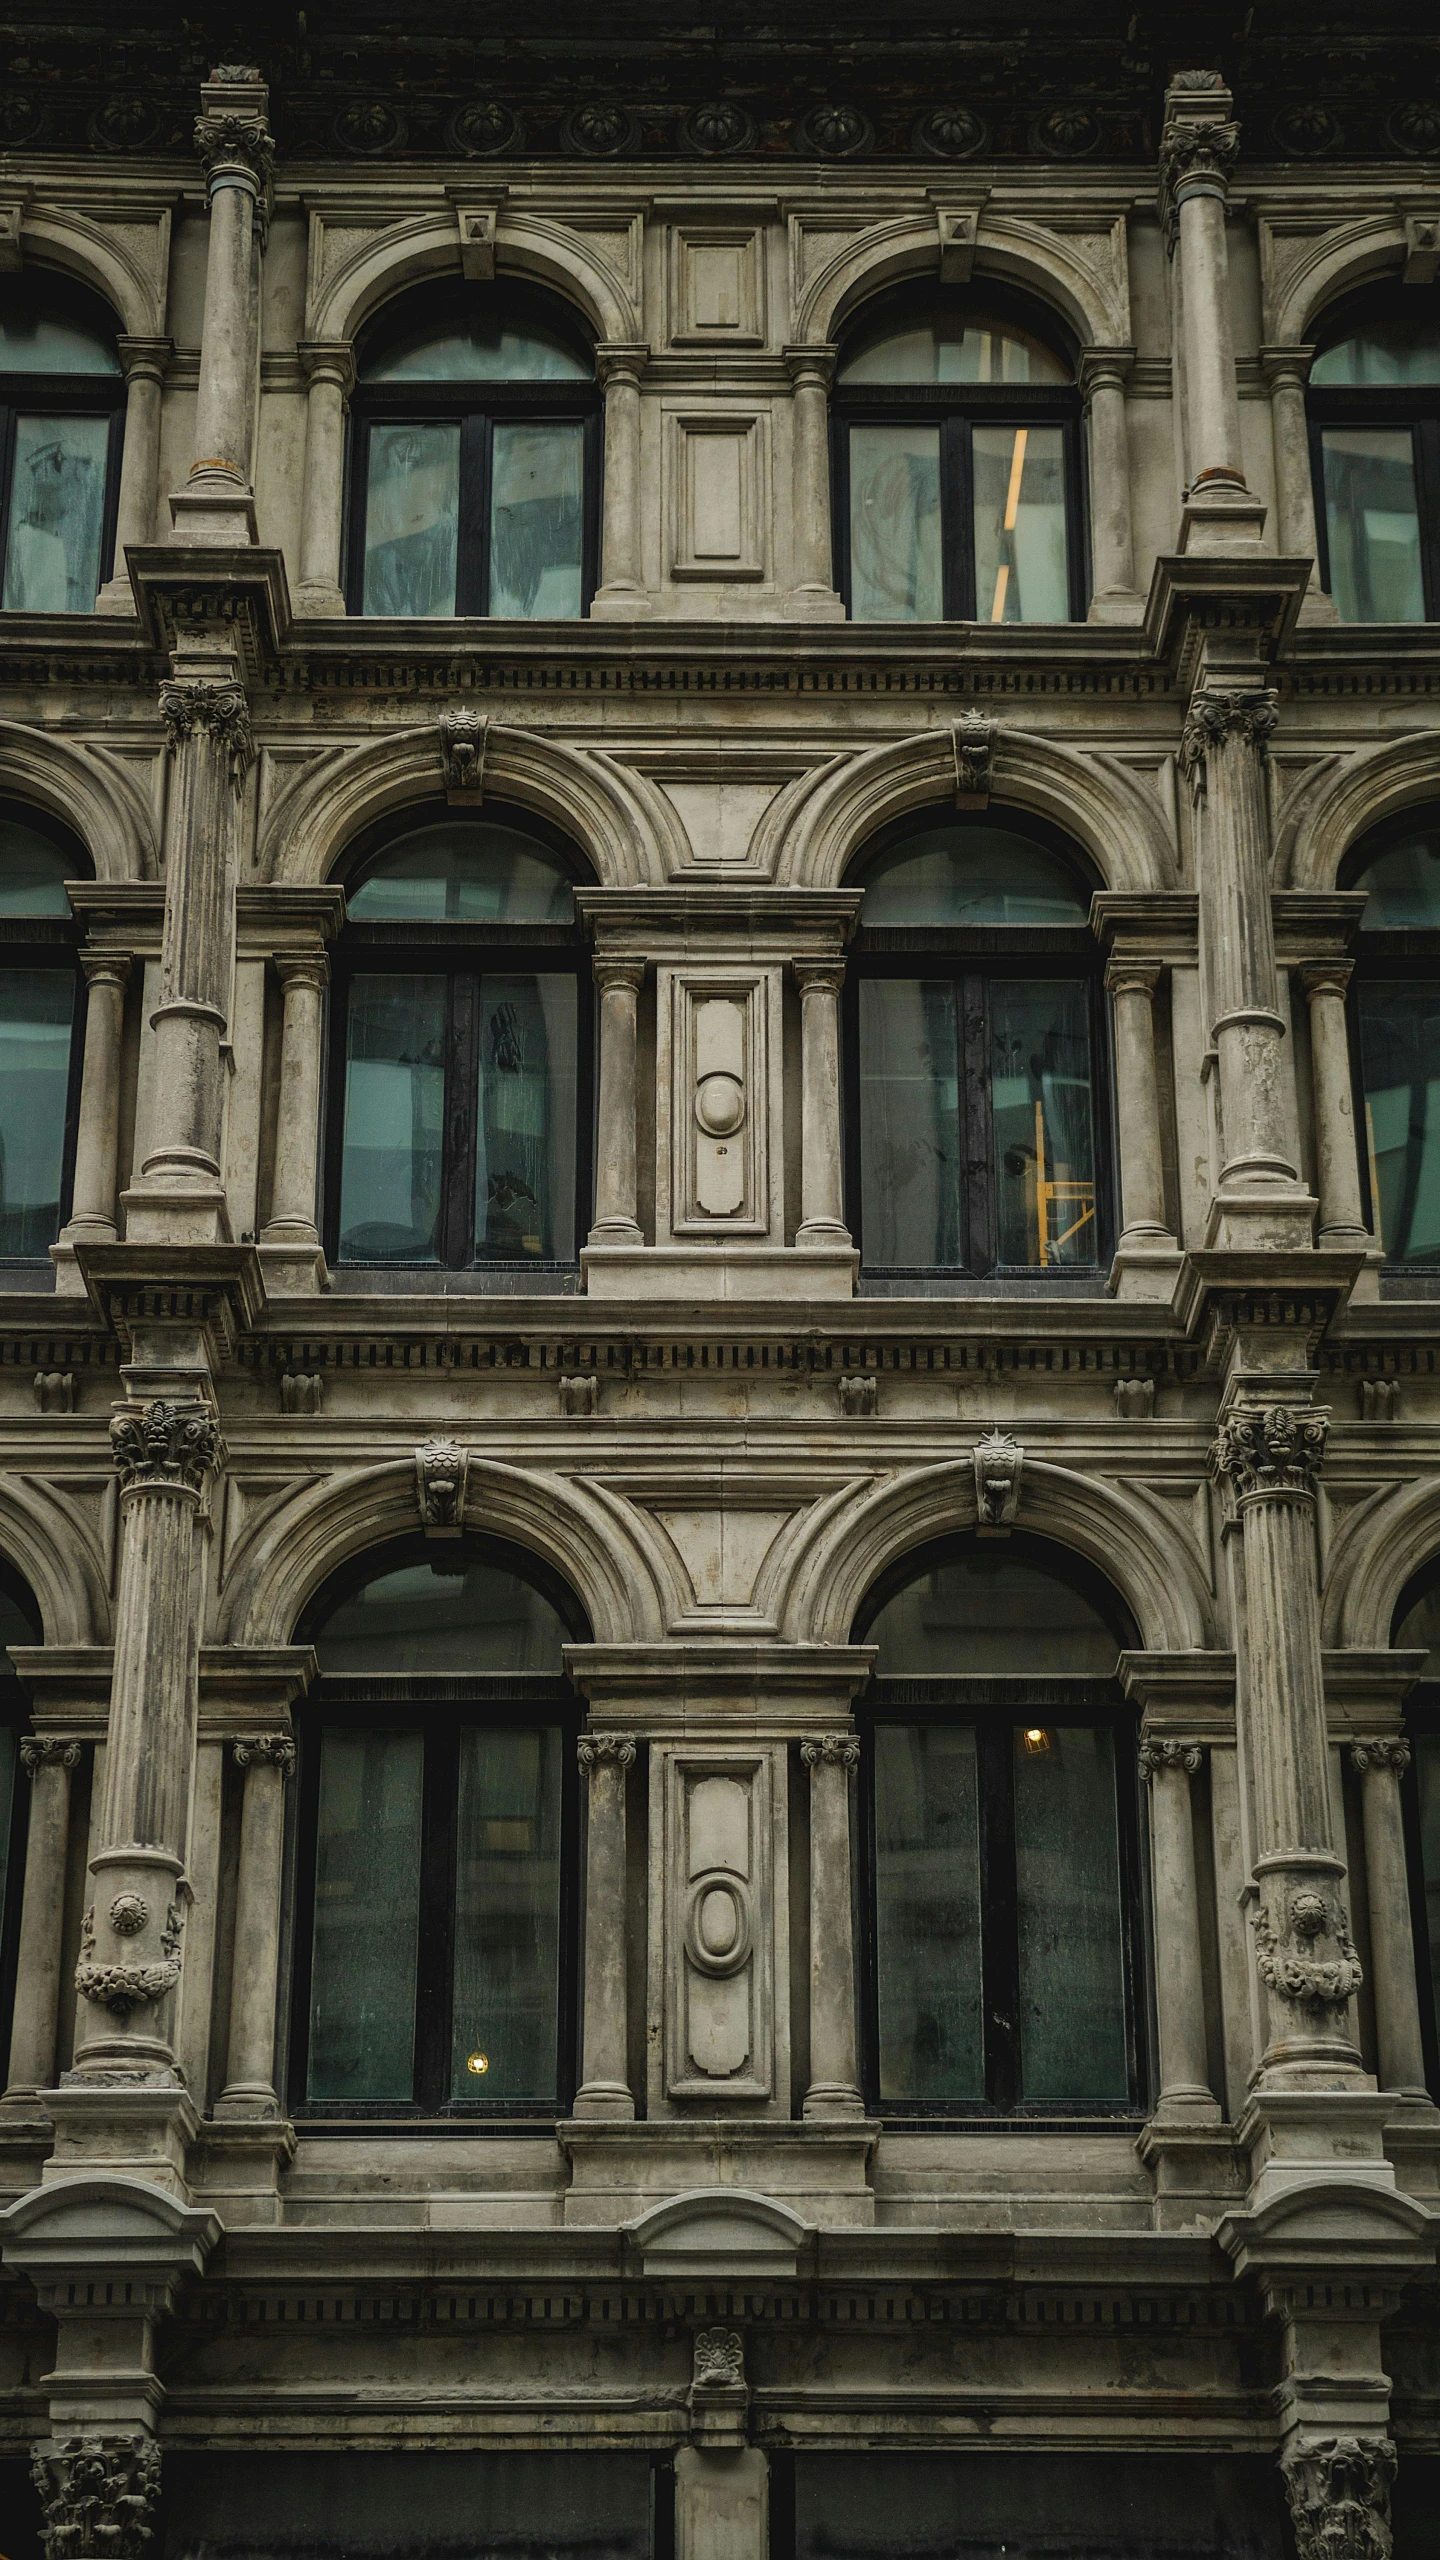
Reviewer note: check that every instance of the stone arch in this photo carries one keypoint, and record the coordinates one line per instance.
(92, 793)
(98, 257)
(628, 829)
(1160, 1577)
(383, 263)
(52, 1541)
(1320, 270)
(1091, 299)
(296, 1545)
(1345, 799)
(1376, 1549)
(1091, 798)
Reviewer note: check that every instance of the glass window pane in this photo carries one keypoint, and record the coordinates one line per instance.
(953, 874)
(33, 872)
(1397, 344)
(1404, 885)
(988, 1610)
(1372, 523)
(537, 521)
(1400, 1064)
(949, 344)
(464, 870)
(909, 1122)
(48, 325)
(442, 1615)
(436, 339)
(390, 1178)
(412, 518)
(57, 511)
(895, 524)
(1044, 1122)
(927, 1912)
(525, 1127)
(36, 1011)
(1021, 568)
(367, 1916)
(507, 1913)
(1427, 1778)
(1067, 1859)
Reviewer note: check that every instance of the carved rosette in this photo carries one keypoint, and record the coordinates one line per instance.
(1214, 718)
(1157, 1757)
(831, 1750)
(98, 2494)
(265, 1751)
(48, 1751)
(1383, 1751)
(1339, 2493)
(165, 1447)
(604, 1750)
(719, 2360)
(220, 711)
(1271, 1452)
(1201, 150)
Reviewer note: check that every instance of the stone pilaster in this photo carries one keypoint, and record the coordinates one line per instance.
(834, 2068)
(1380, 1763)
(1198, 149)
(622, 591)
(619, 979)
(290, 1251)
(822, 1196)
(605, 1759)
(146, 362)
(330, 379)
(216, 507)
(812, 596)
(50, 1762)
(1185, 2092)
(267, 1760)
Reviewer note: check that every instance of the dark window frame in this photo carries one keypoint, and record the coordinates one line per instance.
(1378, 405)
(63, 395)
(50, 942)
(1385, 957)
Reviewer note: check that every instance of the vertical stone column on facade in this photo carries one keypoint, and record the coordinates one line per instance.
(619, 980)
(179, 1197)
(267, 1760)
(134, 1926)
(1146, 1232)
(605, 2090)
(1259, 1197)
(1337, 1162)
(1198, 148)
(622, 590)
(1287, 371)
(49, 1761)
(1338, 2488)
(290, 1237)
(812, 596)
(146, 362)
(1185, 2090)
(722, 2504)
(834, 2076)
(1266, 1457)
(822, 1198)
(217, 504)
(1381, 1764)
(92, 1197)
(329, 369)
(1103, 372)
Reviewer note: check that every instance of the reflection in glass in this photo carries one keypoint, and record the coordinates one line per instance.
(442, 1615)
(1021, 574)
(895, 524)
(525, 1126)
(412, 516)
(57, 513)
(1072, 1985)
(33, 872)
(390, 1180)
(1404, 886)
(507, 1913)
(36, 1014)
(465, 870)
(1400, 1057)
(1044, 1128)
(953, 874)
(949, 344)
(927, 1887)
(1372, 522)
(472, 345)
(989, 1611)
(910, 1149)
(1427, 1776)
(537, 521)
(367, 1916)
(1397, 347)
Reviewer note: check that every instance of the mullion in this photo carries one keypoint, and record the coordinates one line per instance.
(977, 1208)
(435, 1948)
(959, 506)
(999, 1913)
(1426, 440)
(462, 1106)
(472, 549)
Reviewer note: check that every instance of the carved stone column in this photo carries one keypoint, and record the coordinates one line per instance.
(822, 1197)
(605, 2088)
(92, 1199)
(134, 1926)
(1338, 2487)
(217, 504)
(1287, 371)
(619, 981)
(267, 1760)
(1146, 1231)
(1266, 1457)
(1381, 1764)
(146, 362)
(330, 373)
(1103, 372)
(179, 1198)
(812, 597)
(622, 590)
(1198, 148)
(1337, 1163)
(49, 1761)
(834, 2075)
(290, 1237)
(1260, 1199)
(1185, 2090)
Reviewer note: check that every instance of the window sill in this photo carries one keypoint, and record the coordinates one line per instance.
(992, 1284)
(424, 1280)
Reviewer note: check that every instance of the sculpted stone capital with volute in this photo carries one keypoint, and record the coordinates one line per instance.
(1216, 717)
(833, 1750)
(265, 1751)
(196, 707)
(164, 1446)
(1339, 2493)
(1158, 1756)
(1272, 1451)
(1379, 1752)
(604, 1750)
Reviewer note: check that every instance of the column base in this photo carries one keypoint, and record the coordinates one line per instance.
(604, 2102)
(824, 1235)
(717, 1271)
(617, 1231)
(1220, 516)
(814, 604)
(121, 2132)
(1147, 1268)
(162, 1213)
(620, 604)
(832, 2102)
(117, 596)
(1193, 2160)
(319, 601)
(1265, 1221)
(297, 1270)
(239, 2166)
(217, 518)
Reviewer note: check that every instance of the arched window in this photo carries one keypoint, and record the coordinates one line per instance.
(61, 422)
(1375, 446)
(974, 1118)
(40, 1030)
(475, 426)
(1002, 1835)
(957, 466)
(19, 1625)
(1396, 1004)
(461, 1046)
(437, 1821)
(1417, 1623)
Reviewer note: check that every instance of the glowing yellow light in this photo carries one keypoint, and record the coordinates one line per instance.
(1036, 1738)
(478, 2063)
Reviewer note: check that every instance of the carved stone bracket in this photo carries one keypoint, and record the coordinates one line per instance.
(98, 2494)
(1216, 716)
(972, 740)
(1273, 1451)
(595, 1750)
(836, 1748)
(999, 1461)
(266, 1750)
(1157, 1755)
(463, 739)
(1339, 2493)
(48, 1751)
(191, 709)
(165, 1446)
(441, 1473)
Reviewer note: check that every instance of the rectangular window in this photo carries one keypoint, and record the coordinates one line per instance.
(526, 1123)
(895, 545)
(57, 514)
(927, 1896)
(1372, 523)
(1067, 1863)
(1044, 1135)
(910, 1140)
(37, 1008)
(507, 1913)
(391, 1176)
(1022, 572)
(537, 521)
(412, 519)
(1400, 1060)
(367, 1916)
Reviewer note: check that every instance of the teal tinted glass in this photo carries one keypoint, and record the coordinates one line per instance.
(33, 872)
(1400, 1065)
(1404, 884)
(412, 519)
(1372, 523)
(1021, 559)
(1396, 347)
(468, 341)
(464, 871)
(367, 1916)
(1044, 1133)
(895, 551)
(50, 326)
(391, 1168)
(537, 517)
(927, 1912)
(982, 1612)
(525, 1124)
(57, 511)
(37, 1009)
(948, 344)
(1067, 1862)
(950, 874)
(507, 1914)
(442, 1617)
(910, 1142)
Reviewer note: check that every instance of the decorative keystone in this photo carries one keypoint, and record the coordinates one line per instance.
(580, 1395)
(859, 1396)
(463, 739)
(999, 1461)
(972, 741)
(441, 1474)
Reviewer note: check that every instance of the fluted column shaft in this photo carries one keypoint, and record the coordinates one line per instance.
(622, 560)
(605, 2087)
(812, 371)
(834, 2076)
(92, 1208)
(822, 1198)
(292, 1210)
(619, 982)
(1132, 985)
(1337, 1163)
(146, 361)
(35, 2023)
(1102, 382)
(330, 369)
(1381, 1765)
(249, 2090)
(1179, 1983)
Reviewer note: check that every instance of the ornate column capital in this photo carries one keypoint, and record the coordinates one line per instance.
(194, 707)
(1215, 717)
(106, 968)
(616, 360)
(1199, 145)
(1339, 2493)
(1271, 1452)
(1157, 1756)
(1326, 977)
(1286, 368)
(165, 1447)
(604, 1750)
(1103, 369)
(98, 2493)
(238, 150)
(48, 1751)
(1133, 977)
(1381, 1751)
(831, 1750)
(265, 1751)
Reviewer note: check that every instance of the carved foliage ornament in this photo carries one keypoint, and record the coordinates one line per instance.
(1385, 1751)
(228, 141)
(1193, 150)
(599, 1750)
(266, 1751)
(1339, 2493)
(47, 1751)
(1156, 1755)
(220, 711)
(463, 736)
(123, 1987)
(1214, 718)
(97, 2494)
(1271, 1449)
(973, 742)
(165, 1445)
(1311, 1982)
(719, 2360)
(999, 1461)
(441, 1471)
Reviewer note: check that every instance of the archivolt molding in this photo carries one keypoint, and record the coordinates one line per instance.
(627, 828)
(105, 258)
(1157, 1577)
(94, 794)
(1092, 296)
(1113, 818)
(52, 1540)
(1302, 270)
(294, 1547)
(345, 292)
(1373, 1553)
(1344, 799)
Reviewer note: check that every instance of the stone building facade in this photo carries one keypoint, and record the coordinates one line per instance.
(718, 1398)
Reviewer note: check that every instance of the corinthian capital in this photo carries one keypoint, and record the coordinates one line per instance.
(165, 1445)
(1271, 1449)
(98, 2493)
(1196, 154)
(1339, 2493)
(196, 708)
(1215, 717)
(238, 151)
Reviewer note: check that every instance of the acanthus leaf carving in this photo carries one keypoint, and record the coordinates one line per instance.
(98, 2494)
(999, 1462)
(165, 1445)
(1339, 2493)
(222, 711)
(1217, 715)
(1274, 1449)
(1203, 148)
